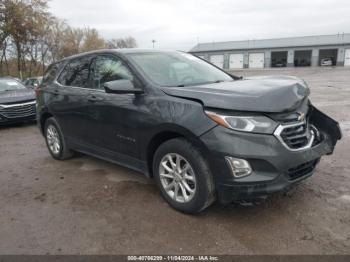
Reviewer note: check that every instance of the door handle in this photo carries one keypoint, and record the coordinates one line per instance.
(93, 98)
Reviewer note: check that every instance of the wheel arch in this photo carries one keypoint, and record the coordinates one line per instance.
(166, 134)
(43, 118)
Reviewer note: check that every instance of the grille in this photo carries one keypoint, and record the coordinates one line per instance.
(16, 102)
(302, 170)
(296, 136)
(18, 110)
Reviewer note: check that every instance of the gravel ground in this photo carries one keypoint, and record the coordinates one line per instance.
(88, 206)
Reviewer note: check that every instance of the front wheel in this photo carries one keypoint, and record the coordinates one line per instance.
(183, 176)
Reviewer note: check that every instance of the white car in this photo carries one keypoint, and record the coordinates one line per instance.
(326, 62)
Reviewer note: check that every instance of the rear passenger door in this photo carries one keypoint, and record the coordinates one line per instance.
(70, 99)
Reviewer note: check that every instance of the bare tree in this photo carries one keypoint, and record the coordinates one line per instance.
(92, 40)
(55, 38)
(23, 20)
(31, 38)
(3, 38)
(128, 42)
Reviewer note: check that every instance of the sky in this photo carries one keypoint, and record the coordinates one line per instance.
(181, 24)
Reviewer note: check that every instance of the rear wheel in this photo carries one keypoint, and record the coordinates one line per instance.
(183, 176)
(55, 141)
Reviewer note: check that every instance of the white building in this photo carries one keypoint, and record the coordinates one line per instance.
(282, 52)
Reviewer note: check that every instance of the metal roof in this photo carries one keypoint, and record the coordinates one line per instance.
(320, 40)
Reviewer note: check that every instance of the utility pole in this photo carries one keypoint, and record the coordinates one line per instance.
(153, 42)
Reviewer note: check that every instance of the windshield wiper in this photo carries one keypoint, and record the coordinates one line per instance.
(196, 84)
(205, 83)
(236, 77)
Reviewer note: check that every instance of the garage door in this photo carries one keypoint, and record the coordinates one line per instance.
(347, 57)
(256, 60)
(236, 61)
(217, 60)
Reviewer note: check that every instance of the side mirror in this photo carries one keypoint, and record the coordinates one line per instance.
(121, 87)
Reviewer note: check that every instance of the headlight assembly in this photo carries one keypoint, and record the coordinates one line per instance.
(249, 123)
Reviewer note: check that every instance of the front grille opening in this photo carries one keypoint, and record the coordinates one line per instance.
(297, 136)
(18, 111)
(302, 170)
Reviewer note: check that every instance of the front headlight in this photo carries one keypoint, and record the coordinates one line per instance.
(254, 124)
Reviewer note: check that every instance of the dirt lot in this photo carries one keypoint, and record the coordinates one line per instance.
(88, 206)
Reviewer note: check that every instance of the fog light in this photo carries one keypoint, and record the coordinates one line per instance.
(239, 167)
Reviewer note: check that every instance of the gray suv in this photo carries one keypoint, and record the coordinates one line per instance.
(201, 133)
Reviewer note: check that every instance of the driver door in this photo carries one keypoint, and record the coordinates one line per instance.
(113, 118)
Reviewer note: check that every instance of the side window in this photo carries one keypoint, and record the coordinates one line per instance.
(109, 68)
(51, 73)
(76, 73)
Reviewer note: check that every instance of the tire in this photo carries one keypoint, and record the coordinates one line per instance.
(53, 131)
(200, 189)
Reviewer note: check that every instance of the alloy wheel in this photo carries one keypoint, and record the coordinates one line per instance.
(53, 139)
(177, 178)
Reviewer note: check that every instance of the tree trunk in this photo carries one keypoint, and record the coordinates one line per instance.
(19, 60)
(3, 58)
(7, 65)
(1, 65)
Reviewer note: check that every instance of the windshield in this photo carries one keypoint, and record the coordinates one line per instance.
(177, 69)
(10, 85)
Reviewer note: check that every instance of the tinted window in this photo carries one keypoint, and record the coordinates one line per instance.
(76, 73)
(51, 73)
(108, 68)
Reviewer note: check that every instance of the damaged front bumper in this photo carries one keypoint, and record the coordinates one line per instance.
(276, 166)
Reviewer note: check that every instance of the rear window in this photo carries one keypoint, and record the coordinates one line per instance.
(76, 73)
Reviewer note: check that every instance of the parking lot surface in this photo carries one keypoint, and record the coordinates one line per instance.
(89, 206)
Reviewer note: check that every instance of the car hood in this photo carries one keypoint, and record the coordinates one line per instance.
(270, 94)
(14, 96)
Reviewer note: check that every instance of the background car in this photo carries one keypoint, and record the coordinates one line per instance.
(33, 82)
(17, 102)
(326, 62)
(12, 77)
(281, 64)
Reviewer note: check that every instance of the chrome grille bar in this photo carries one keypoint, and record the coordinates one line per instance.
(295, 137)
(18, 110)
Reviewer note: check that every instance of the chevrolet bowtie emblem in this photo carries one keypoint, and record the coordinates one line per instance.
(301, 117)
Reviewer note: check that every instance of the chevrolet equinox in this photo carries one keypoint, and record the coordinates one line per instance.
(201, 133)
